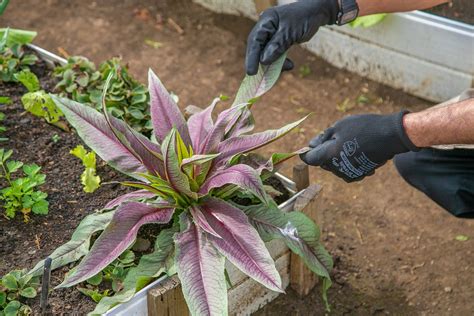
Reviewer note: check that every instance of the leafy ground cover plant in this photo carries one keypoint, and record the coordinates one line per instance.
(90, 181)
(20, 195)
(16, 286)
(126, 98)
(187, 179)
(13, 58)
(2, 128)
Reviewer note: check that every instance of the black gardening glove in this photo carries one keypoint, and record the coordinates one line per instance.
(357, 145)
(280, 27)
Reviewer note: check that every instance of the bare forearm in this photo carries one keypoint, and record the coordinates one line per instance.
(367, 7)
(452, 124)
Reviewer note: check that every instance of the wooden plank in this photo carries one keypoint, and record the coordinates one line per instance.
(303, 280)
(249, 296)
(167, 299)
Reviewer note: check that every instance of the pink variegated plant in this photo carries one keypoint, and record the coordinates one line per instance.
(187, 176)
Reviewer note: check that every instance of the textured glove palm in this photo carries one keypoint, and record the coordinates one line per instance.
(280, 27)
(357, 145)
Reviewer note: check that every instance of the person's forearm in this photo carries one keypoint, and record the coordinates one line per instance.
(451, 124)
(367, 7)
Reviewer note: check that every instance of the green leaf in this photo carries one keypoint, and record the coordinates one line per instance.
(3, 298)
(5, 100)
(89, 179)
(28, 292)
(3, 6)
(10, 282)
(368, 20)
(96, 279)
(28, 79)
(40, 104)
(462, 238)
(31, 169)
(40, 207)
(13, 166)
(12, 308)
(16, 36)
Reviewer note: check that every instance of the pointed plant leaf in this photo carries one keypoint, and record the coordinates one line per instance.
(201, 221)
(217, 133)
(240, 242)
(247, 143)
(141, 147)
(165, 113)
(201, 271)
(149, 267)
(254, 86)
(79, 244)
(176, 178)
(297, 230)
(200, 124)
(136, 195)
(241, 175)
(116, 238)
(93, 129)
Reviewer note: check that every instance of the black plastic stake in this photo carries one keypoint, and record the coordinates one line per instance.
(45, 285)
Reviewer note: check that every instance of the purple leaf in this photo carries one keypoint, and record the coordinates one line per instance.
(147, 151)
(217, 133)
(165, 113)
(201, 220)
(241, 175)
(200, 124)
(201, 271)
(245, 143)
(116, 238)
(240, 242)
(241, 124)
(140, 194)
(176, 178)
(92, 127)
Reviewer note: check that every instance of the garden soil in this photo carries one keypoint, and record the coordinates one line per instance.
(395, 251)
(460, 10)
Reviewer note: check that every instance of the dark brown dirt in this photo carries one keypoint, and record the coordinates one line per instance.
(459, 10)
(395, 250)
(24, 244)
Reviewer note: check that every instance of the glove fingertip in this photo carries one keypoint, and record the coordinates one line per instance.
(288, 65)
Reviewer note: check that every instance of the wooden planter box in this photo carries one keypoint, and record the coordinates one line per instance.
(164, 296)
(425, 55)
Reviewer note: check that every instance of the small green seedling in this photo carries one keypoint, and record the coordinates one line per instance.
(304, 71)
(20, 194)
(2, 128)
(114, 274)
(15, 287)
(89, 179)
(55, 138)
(12, 56)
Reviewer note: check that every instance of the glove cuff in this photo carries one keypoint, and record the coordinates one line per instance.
(332, 8)
(402, 134)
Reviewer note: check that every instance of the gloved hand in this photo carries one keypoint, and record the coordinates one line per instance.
(357, 145)
(280, 27)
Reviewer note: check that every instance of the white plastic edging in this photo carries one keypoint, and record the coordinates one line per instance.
(426, 55)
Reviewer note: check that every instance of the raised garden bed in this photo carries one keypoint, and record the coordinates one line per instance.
(72, 201)
(422, 54)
